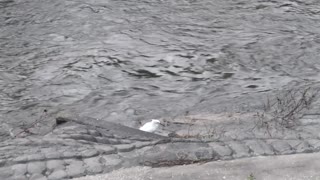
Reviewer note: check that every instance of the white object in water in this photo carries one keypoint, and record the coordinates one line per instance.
(5, 125)
(11, 133)
(150, 126)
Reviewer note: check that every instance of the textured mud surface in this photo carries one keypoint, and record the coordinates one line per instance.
(125, 62)
(287, 167)
(85, 146)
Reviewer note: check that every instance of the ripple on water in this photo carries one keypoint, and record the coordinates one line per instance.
(159, 58)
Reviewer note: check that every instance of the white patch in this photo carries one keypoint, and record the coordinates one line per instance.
(150, 126)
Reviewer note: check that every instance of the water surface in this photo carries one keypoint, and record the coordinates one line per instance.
(126, 61)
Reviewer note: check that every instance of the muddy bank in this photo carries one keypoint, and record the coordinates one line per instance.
(265, 168)
(80, 146)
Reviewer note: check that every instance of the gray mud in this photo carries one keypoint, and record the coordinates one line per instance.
(80, 146)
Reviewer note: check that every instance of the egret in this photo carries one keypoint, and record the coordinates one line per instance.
(151, 126)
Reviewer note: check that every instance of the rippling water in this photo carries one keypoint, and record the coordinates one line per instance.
(131, 60)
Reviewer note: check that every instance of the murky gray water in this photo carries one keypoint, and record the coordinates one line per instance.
(131, 60)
